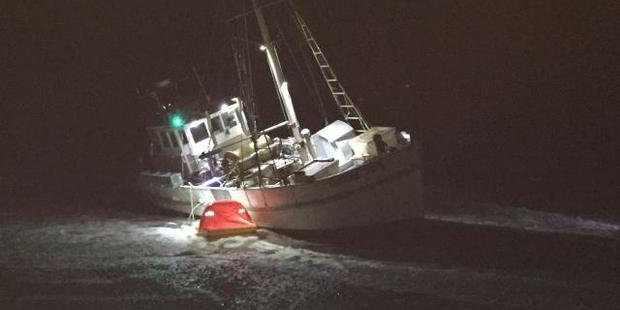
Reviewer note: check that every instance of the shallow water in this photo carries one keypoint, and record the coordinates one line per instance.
(462, 256)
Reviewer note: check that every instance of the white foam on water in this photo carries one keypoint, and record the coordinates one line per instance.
(268, 270)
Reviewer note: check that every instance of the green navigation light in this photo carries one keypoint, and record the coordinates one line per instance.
(177, 121)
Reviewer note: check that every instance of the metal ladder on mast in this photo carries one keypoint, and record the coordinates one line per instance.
(349, 111)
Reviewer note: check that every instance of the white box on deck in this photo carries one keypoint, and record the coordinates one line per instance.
(364, 145)
(328, 142)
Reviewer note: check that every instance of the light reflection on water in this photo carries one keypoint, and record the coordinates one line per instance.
(397, 265)
(179, 232)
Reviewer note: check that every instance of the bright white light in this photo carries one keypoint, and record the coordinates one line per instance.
(235, 99)
(406, 136)
(224, 107)
(241, 211)
(210, 213)
(262, 48)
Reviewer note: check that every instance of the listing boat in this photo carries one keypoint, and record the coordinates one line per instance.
(346, 174)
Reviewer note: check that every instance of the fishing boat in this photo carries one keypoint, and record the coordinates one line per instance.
(346, 174)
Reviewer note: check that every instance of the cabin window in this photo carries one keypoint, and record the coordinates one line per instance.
(229, 119)
(173, 138)
(164, 139)
(217, 124)
(183, 136)
(199, 133)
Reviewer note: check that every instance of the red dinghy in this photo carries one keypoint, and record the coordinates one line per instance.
(225, 217)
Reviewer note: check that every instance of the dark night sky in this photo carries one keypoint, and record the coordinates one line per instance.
(498, 91)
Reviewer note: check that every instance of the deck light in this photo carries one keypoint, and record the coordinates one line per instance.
(210, 213)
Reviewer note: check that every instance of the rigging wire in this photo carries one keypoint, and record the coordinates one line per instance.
(250, 96)
(241, 51)
(312, 90)
(250, 86)
(242, 47)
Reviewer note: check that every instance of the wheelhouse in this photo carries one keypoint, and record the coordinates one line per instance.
(177, 149)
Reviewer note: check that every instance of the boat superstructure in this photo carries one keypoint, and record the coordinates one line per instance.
(346, 174)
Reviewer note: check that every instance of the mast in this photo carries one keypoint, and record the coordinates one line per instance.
(276, 71)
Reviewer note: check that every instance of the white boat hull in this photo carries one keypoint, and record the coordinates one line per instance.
(383, 190)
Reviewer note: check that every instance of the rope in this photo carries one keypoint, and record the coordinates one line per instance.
(191, 201)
